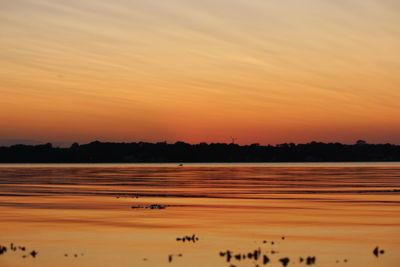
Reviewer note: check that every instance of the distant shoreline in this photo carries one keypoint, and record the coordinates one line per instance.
(180, 152)
(200, 165)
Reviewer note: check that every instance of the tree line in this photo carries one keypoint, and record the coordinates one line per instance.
(141, 152)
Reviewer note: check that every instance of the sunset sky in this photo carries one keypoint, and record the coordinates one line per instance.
(265, 71)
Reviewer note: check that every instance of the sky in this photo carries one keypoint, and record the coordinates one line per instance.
(262, 71)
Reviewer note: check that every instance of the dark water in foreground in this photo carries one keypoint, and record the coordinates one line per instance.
(81, 215)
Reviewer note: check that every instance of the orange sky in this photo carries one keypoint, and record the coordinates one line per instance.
(262, 71)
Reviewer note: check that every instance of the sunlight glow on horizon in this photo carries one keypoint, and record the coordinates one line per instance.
(262, 71)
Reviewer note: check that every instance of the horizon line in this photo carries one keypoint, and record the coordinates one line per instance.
(69, 144)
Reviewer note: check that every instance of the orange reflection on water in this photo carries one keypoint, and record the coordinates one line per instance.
(333, 213)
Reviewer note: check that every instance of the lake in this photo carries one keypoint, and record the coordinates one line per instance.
(200, 214)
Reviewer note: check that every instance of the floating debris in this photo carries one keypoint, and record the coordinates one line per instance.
(170, 256)
(284, 261)
(228, 255)
(259, 257)
(75, 255)
(152, 207)
(33, 253)
(378, 251)
(253, 255)
(3, 250)
(310, 260)
(265, 259)
(156, 206)
(14, 248)
(192, 238)
(127, 196)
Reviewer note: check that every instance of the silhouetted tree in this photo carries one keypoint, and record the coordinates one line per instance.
(361, 143)
(75, 146)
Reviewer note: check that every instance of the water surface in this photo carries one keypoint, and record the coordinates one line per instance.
(338, 212)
